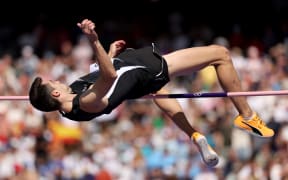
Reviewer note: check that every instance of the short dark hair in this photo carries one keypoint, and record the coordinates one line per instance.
(40, 98)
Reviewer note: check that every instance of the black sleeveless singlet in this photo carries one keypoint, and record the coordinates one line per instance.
(139, 72)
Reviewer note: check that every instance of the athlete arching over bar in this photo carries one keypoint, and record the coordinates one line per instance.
(132, 73)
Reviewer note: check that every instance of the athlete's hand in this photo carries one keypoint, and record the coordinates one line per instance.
(116, 47)
(87, 27)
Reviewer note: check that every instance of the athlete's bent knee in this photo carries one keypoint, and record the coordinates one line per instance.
(222, 52)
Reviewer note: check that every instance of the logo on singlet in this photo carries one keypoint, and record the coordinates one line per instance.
(85, 87)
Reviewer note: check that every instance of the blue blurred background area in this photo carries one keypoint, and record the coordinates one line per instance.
(137, 141)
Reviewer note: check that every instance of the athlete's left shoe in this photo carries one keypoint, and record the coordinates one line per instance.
(208, 155)
(254, 126)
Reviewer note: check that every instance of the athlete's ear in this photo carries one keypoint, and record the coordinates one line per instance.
(55, 93)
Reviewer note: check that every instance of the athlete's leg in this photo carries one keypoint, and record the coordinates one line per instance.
(185, 61)
(193, 59)
(172, 109)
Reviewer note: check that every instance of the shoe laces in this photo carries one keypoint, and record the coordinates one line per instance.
(260, 121)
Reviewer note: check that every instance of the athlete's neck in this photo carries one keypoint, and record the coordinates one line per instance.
(67, 103)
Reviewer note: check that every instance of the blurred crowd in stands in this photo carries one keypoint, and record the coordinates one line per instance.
(136, 141)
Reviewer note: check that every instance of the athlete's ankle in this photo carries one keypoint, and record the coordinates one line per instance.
(195, 135)
(248, 116)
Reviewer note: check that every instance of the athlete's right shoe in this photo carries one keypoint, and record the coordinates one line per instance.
(208, 155)
(254, 126)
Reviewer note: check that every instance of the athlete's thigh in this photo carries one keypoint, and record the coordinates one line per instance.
(186, 61)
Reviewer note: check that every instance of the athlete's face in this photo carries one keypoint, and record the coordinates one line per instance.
(58, 86)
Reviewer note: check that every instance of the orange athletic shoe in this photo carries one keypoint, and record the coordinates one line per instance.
(254, 126)
(208, 155)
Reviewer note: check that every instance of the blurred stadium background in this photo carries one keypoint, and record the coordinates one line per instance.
(136, 141)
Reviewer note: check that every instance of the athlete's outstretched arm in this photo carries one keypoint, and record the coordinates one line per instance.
(107, 72)
(172, 108)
